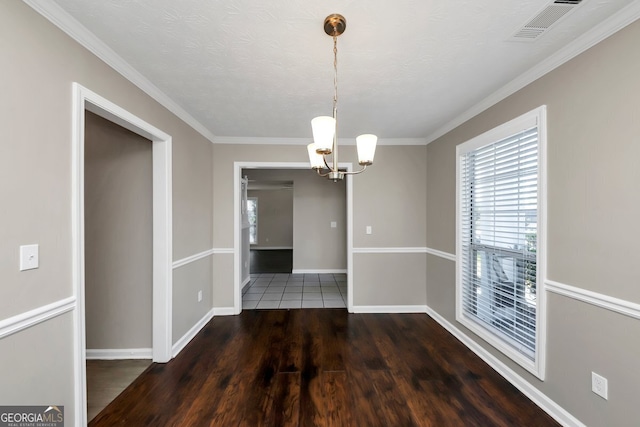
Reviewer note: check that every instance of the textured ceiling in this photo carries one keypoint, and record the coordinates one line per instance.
(250, 68)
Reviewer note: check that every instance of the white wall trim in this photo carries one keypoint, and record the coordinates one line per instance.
(607, 302)
(63, 20)
(238, 140)
(60, 18)
(223, 251)
(224, 311)
(320, 271)
(539, 398)
(389, 308)
(394, 250)
(22, 321)
(597, 34)
(192, 258)
(191, 333)
(119, 353)
(271, 248)
(406, 250)
(83, 100)
(442, 254)
(245, 282)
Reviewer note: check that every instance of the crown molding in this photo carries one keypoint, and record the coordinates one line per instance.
(64, 21)
(304, 141)
(605, 29)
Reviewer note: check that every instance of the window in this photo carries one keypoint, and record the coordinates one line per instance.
(500, 219)
(252, 215)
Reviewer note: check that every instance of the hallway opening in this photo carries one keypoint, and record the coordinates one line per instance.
(300, 255)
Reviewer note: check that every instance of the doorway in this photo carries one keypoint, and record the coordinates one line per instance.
(86, 100)
(344, 276)
(118, 258)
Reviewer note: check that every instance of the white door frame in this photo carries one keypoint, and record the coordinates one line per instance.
(85, 99)
(237, 227)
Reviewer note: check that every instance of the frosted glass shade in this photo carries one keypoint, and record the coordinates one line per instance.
(316, 160)
(366, 145)
(324, 128)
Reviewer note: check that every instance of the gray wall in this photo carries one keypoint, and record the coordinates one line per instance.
(593, 204)
(118, 236)
(35, 183)
(390, 196)
(275, 218)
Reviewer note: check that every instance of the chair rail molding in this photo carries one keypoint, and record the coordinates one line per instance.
(22, 321)
(607, 302)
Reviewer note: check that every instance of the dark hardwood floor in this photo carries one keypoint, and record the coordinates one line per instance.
(270, 261)
(322, 367)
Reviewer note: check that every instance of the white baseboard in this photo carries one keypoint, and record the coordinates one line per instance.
(245, 282)
(389, 308)
(191, 333)
(224, 311)
(119, 353)
(542, 400)
(329, 271)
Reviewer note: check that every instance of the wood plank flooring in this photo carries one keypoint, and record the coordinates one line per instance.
(322, 368)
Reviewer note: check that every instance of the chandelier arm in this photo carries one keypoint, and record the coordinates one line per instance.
(324, 175)
(325, 162)
(356, 172)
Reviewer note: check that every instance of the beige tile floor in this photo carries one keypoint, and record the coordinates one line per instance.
(271, 291)
(106, 379)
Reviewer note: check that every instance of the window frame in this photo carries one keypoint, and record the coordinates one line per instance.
(534, 118)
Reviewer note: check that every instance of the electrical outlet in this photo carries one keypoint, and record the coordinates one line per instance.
(199, 296)
(599, 385)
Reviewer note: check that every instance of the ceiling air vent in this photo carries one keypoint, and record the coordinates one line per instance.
(544, 20)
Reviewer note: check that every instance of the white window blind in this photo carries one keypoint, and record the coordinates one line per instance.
(498, 238)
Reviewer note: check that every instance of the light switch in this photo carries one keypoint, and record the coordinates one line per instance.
(369, 229)
(28, 257)
(334, 224)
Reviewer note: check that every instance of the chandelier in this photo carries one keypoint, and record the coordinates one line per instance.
(325, 135)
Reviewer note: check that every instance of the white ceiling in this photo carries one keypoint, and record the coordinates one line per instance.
(257, 69)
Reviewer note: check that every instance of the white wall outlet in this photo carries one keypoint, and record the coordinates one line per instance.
(29, 257)
(599, 385)
(246, 264)
(368, 229)
(199, 296)
(334, 224)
